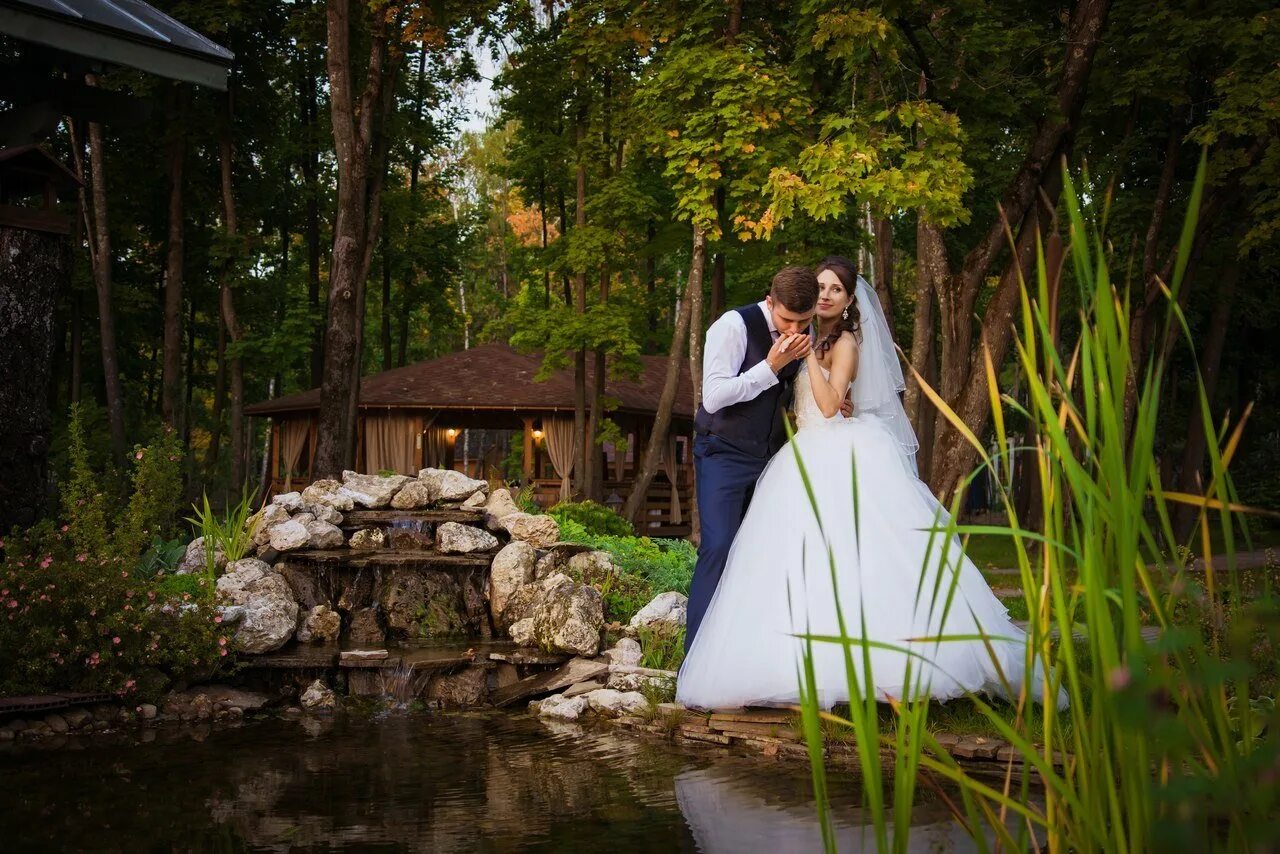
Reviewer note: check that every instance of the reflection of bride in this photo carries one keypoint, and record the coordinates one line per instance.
(728, 814)
(894, 586)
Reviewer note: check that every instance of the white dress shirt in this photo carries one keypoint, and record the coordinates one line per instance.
(726, 347)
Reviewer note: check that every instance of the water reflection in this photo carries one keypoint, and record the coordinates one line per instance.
(440, 783)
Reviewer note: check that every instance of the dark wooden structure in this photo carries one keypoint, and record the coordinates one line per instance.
(47, 47)
(463, 410)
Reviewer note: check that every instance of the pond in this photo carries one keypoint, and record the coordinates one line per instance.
(419, 782)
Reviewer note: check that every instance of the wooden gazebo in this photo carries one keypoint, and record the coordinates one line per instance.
(463, 410)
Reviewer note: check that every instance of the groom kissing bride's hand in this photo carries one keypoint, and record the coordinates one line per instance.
(790, 347)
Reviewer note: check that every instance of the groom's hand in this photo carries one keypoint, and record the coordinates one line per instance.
(787, 349)
(846, 405)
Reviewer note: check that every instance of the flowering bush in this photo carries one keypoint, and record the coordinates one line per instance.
(74, 621)
(80, 608)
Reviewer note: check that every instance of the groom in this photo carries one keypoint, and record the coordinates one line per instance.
(752, 356)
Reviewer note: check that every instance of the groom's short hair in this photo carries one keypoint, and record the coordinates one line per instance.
(796, 288)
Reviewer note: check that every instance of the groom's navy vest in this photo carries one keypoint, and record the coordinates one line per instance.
(754, 426)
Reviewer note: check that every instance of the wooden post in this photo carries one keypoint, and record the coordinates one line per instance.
(275, 455)
(527, 466)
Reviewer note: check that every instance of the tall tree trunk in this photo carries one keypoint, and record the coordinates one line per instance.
(188, 393)
(718, 261)
(409, 271)
(98, 233)
(77, 341)
(1210, 366)
(1040, 172)
(230, 320)
(582, 441)
(651, 284)
(355, 228)
(310, 166)
(656, 447)
(171, 382)
(882, 278)
(386, 292)
(219, 396)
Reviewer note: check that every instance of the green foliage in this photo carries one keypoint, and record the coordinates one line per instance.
(593, 517)
(1166, 738)
(155, 486)
(228, 533)
(85, 503)
(75, 621)
(646, 567)
(88, 605)
(662, 646)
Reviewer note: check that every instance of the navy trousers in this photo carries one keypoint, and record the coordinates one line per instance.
(726, 480)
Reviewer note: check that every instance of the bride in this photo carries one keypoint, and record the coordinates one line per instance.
(898, 585)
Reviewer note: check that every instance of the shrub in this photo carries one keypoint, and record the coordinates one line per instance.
(661, 646)
(595, 518)
(84, 605)
(92, 623)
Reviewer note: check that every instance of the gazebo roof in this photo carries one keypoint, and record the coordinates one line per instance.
(492, 377)
(122, 32)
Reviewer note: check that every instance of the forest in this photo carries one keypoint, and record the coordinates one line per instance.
(642, 167)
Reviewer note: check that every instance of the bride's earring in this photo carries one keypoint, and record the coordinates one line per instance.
(844, 315)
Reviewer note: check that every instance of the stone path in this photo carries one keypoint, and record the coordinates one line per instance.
(776, 733)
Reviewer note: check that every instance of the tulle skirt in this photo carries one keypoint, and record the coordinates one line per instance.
(789, 567)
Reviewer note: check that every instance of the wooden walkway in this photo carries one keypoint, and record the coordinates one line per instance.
(49, 702)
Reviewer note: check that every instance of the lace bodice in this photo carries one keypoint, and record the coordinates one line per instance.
(805, 406)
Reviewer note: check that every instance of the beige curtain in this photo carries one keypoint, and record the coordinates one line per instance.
(619, 462)
(438, 448)
(389, 443)
(293, 437)
(671, 468)
(558, 438)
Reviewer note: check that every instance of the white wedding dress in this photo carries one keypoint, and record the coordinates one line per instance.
(777, 581)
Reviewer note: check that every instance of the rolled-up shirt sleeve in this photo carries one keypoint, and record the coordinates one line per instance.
(726, 347)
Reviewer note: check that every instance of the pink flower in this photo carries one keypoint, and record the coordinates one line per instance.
(124, 574)
(129, 683)
(116, 640)
(222, 641)
(1119, 678)
(151, 594)
(13, 603)
(66, 528)
(218, 618)
(82, 557)
(44, 564)
(138, 455)
(222, 652)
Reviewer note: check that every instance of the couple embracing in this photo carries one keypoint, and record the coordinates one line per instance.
(834, 518)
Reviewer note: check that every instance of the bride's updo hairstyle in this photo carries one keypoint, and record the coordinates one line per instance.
(847, 272)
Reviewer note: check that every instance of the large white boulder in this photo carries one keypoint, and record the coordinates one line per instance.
(291, 501)
(270, 611)
(289, 536)
(499, 506)
(329, 493)
(322, 535)
(456, 538)
(261, 523)
(450, 485)
(512, 568)
(372, 490)
(541, 531)
(669, 608)
(561, 708)
(414, 495)
(626, 652)
(195, 560)
(611, 703)
(570, 618)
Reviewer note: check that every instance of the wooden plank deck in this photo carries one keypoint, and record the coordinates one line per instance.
(49, 702)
